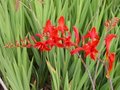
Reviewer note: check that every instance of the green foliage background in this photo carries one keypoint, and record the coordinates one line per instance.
(29, 69)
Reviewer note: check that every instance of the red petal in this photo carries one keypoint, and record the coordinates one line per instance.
(61, 25)
(42, 46)
(76, 35)
(92, 55)
(48, 23)
(65, 28)
(94, 43)
(39, 35)
(92, 34)
(90, 49)
(76, 50)
(111, 59)
(48, 27)
(59, 45)
(108, 40)
(61, 21)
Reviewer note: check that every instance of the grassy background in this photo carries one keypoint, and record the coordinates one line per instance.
(29, 69)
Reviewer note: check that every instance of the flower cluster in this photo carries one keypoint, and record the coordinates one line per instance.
(110, 56)
(23, 43)
(111, 23)
(90, 47)
(52, 36)
(60, 36)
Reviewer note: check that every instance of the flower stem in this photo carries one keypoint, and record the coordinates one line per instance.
(96, 70)
(111, 85)
(109, 78)
(89, 74)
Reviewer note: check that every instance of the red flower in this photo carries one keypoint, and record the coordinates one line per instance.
(54, 33)
(108, 40)
(76, 35)
(67, 41)
(90, 49)
(48, 27)
(92, 34)
(61, 25)
(111, 59)
(110, 56)
(55, 41)
(42, 46)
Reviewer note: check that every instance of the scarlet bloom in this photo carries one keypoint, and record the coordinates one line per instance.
(92, 34)
(111, 59)
(48, 27)
(110, 56)
(54, 34)
(76, 35)
(90, 49)
(108, 40)
(42, 46)
(61, 25)
(67, 41)
(55, 41)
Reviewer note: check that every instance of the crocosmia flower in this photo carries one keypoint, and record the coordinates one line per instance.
(42, 46)
(109, 56)
(108, 40)
(61, 25)
(92, 34)
(90, 49)
(111, 59)
(48, 27)
(67, 41)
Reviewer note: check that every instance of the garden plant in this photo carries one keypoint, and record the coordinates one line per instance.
(59, 44)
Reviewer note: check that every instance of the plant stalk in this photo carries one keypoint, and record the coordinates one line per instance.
(109, 78)
(89, 74)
